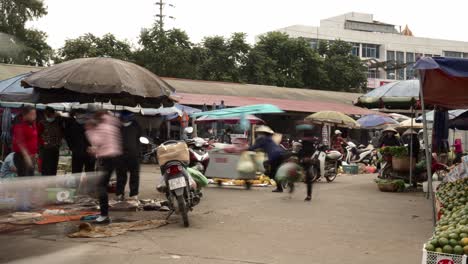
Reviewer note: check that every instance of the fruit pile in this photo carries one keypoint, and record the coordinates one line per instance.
(453, 195)
(451, 233)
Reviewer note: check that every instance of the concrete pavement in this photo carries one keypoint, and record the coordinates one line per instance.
(348, 221)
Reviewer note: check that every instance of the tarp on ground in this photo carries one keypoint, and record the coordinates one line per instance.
(444, 81)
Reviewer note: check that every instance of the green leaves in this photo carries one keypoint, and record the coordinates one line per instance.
(88, 46)
(30, 44)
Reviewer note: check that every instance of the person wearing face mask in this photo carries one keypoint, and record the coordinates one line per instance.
(78, 143)
(130, 159)
(51, 135)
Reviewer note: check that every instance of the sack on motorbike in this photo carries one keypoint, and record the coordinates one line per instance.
(198, 177)
(289, 172)
(246, 163)
(178, 151)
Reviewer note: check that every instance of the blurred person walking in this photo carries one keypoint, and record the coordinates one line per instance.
(103, 132)
(130, 160)
(26, 142)
(51, 132)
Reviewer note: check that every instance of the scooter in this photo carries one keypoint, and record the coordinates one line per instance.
(178, 186)
(325, 163)
(149, 156)
(360, 154)
(199, 157)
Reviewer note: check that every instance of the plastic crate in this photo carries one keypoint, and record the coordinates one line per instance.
(442, 258)
(59, 195)
(351, 169)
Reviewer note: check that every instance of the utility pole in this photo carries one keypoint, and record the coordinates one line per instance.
(161, 15)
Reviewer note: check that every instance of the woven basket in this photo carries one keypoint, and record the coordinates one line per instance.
(388, 187)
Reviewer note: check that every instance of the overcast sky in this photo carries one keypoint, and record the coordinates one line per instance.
(199, 18)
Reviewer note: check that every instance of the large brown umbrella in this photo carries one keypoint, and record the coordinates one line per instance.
(100, 80)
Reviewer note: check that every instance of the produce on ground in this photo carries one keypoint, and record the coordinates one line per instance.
(451, 233)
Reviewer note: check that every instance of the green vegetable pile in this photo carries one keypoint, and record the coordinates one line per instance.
(397, 151)
(451, 233)
(399, 183)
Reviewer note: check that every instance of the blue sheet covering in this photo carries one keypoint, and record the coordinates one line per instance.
(456, 67)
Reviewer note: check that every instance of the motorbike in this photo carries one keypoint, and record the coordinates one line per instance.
(179, 188)
(199, 157)
(325, 163)
(148, 156)
(366, 155)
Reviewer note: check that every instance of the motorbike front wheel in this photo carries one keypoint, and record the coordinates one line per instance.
(183, 210)
(332, 177)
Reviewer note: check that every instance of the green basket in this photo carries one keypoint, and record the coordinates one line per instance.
(52, 194)
(351, 169)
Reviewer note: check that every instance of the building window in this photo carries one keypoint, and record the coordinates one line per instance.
(409, 65)
(427, 55)
(370, 51)
(373, 74)
(400, 59)
(453, 54)
(355, 49)
(465, 55)
(314, 43)
(390, 64)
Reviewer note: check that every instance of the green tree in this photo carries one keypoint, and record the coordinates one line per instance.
(168, 53)
(88, 46)
(345, 71)
(223, 59)
(279, 60)
(30, 44)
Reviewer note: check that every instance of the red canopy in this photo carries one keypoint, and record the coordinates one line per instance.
(444, 81)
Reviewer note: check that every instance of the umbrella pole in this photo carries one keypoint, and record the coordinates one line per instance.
(411, 149)
(426, 147)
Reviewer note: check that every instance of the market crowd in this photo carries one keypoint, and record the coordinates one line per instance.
(98, 141)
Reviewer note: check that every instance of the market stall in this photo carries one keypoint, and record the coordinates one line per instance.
(225, 158)
(444, 83)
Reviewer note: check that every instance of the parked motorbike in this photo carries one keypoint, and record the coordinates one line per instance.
(179, 188)
(148, 156)
(325, 163)
(199, 157)
(361, 154)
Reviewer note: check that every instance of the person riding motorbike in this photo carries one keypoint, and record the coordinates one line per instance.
(275, 153)
(338, 141)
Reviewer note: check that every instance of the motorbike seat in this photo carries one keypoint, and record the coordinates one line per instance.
(359, 151)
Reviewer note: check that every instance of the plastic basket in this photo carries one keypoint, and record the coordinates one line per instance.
(442, 258)
(351, 169)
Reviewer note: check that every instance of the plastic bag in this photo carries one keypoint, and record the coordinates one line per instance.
(198, 177)
(259, 161)
(289, 172)
(246, 163)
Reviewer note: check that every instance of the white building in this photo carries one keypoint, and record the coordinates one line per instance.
(379, 42)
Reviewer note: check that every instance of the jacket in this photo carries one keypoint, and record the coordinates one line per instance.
(267, 144)
(106, 138)
(25, 135)
(76, 138)
(131, 139)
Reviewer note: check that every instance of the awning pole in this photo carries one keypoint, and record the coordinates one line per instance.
(411, 149)
(426, 146)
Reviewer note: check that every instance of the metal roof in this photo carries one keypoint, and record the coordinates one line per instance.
(12, 70)
(262, 91)
(310, 106)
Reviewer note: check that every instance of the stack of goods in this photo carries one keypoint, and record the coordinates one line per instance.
(451, 233)
(260, 181)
